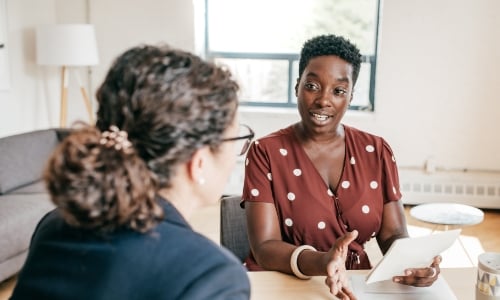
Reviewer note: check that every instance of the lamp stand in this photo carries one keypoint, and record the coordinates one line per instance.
(64, 97)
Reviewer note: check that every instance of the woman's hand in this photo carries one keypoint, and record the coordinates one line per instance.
(336, 279)
(421, 276)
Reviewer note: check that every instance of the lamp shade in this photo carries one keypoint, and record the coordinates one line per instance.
(66, 45)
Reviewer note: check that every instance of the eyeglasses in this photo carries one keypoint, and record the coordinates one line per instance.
(244, 139)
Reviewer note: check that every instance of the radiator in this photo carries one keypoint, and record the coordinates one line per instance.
(479, 189)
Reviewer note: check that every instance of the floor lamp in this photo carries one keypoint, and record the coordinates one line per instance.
(67, 46)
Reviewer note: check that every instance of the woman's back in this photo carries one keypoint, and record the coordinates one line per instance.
(170, 262)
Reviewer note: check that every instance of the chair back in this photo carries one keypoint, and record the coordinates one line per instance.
(233, 227)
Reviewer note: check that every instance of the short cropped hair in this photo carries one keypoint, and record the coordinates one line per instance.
(331, 45)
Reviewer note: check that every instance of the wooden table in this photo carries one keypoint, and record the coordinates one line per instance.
(274, 285)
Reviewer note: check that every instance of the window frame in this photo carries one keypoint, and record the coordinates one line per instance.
(291, 58)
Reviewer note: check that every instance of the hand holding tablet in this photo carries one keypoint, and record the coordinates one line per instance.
(406, 253)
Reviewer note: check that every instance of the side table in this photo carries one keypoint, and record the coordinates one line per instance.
(448, 215)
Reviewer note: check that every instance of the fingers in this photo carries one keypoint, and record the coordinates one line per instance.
(338, 285)
(419, 277)
(347, 294)
(336, 277)
(436, 270)
(436, 261)
(334, 284)
(335, 266)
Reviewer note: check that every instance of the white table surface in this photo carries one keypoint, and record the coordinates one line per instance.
(447, 214)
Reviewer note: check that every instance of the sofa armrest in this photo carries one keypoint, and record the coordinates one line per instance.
(23, 157)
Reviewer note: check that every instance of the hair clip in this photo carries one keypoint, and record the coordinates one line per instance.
(116, 138)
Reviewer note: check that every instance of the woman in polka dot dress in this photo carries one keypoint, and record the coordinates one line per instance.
(318, 180)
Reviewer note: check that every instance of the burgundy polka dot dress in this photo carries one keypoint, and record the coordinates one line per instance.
(278, 170)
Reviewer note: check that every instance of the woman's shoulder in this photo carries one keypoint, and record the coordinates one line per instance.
(350, 130)
(362, 135)
(366, 140)
(189, 243)
(284, 135)
(209, 270)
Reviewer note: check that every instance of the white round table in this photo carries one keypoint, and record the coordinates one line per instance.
(448, 214)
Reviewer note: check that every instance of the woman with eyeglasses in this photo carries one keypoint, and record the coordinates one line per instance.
(319, 187)
(163, 146)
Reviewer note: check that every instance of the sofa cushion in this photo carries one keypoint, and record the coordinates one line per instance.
(23, 157)
(19, 215)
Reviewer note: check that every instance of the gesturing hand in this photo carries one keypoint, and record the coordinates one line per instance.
(336, 279)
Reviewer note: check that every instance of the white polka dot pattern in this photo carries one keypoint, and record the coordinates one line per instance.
(321, 225)
(360, 155)
(345, 184)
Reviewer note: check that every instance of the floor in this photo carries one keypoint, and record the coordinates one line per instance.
(484, 237)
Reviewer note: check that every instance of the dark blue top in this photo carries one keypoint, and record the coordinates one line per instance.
(170, 262)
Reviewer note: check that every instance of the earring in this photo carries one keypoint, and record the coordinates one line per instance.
(201, 181)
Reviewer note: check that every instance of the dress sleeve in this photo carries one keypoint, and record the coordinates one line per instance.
(390, 174)
(258, 176)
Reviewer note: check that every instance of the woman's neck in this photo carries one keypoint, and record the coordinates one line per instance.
(180, 200)
(310, 137)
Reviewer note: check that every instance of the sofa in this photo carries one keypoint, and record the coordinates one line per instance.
(23, 197)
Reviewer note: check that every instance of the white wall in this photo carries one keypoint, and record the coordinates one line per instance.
(436, 93)
(121, 24)
(32, 102)
(23, 106)
(437, 86)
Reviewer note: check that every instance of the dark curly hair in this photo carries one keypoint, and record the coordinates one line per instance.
(170, 103)
(331, 45)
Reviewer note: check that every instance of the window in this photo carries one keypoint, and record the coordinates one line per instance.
(260, 40)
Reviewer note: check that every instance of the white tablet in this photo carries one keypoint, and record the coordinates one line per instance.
(416, 252)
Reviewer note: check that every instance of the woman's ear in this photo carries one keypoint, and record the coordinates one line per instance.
(197, 165)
